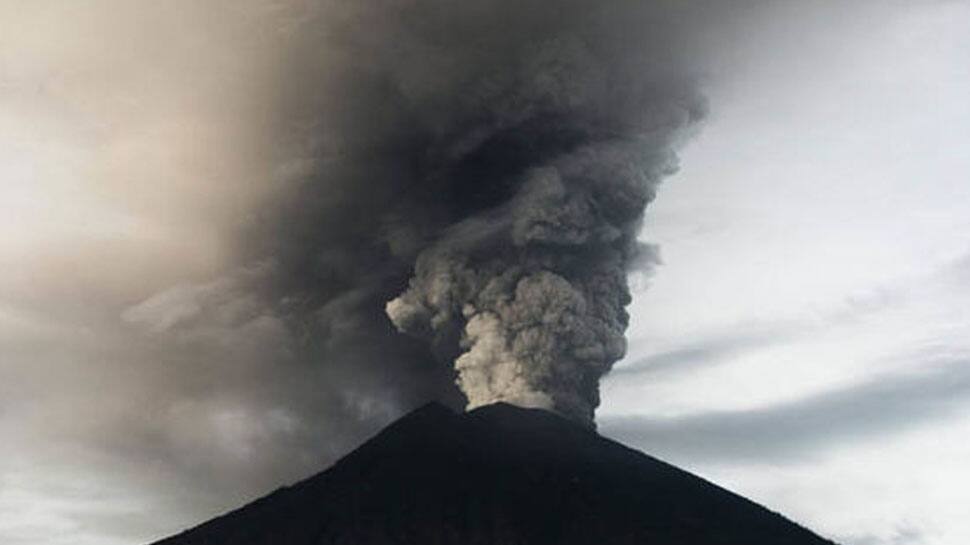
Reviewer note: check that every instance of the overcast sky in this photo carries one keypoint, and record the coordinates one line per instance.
(805, 341)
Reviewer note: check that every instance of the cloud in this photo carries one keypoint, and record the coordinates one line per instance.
(707, 351)
(798, 430)
(902, 535)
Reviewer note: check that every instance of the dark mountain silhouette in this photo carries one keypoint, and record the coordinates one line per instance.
(498, 475)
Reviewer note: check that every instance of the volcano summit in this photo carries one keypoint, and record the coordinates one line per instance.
(499, 475)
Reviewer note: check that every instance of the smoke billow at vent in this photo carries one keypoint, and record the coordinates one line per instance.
(484, 168)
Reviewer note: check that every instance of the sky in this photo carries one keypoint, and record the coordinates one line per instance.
(803, 341)
(806, 340)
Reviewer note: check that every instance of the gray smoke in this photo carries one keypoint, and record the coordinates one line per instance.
(535, 289)
(499, 154)
(559, 147)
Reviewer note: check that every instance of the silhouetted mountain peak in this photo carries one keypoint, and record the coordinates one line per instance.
(499, 474)
(429, 412)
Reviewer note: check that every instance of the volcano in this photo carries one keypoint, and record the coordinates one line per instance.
(498, 475)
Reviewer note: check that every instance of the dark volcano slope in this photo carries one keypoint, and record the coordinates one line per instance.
(499, 475)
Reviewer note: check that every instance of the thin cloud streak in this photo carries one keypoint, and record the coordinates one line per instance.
(795, 431)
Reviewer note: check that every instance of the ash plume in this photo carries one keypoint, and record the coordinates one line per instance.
(484, 168)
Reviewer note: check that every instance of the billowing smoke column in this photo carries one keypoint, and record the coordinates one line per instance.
(484, 168)
(535, 289)
(553, 152)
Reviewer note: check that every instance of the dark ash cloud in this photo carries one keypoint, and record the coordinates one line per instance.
(482, 169)
(262, 178)
(291, 163)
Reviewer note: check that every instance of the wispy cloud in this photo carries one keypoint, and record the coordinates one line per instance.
(903, 535)
(707, 351)
(796, 430)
